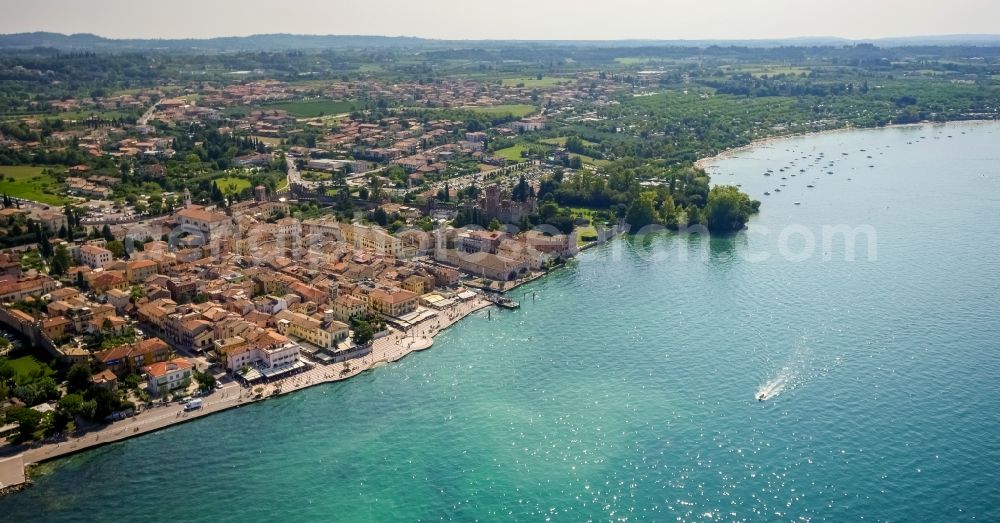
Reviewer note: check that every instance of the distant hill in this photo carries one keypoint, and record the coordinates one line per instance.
(280, 42)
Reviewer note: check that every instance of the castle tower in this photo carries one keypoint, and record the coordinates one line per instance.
(492, 200)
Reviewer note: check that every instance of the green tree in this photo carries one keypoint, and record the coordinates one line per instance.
(132, 381)
(60, 261)
(117, 248)
(105, 402)
(364, 331)
(76, 406)
(28, 420)
(728, 209)
(641, 212)
(78, 378)
(206, 381)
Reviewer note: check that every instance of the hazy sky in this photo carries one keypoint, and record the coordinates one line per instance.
(506, 19)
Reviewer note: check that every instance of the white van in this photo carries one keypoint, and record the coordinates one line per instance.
(193, 405)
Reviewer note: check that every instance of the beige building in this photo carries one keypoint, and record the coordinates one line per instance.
(211, 224)
(138, 270)
(346, 307)
(371, 238)
(14, 289)
(393, 303)
(484, 264)
(324, 333)
(94, 257)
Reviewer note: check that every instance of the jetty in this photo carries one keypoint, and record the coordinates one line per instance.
(501, 301)
(12, 476)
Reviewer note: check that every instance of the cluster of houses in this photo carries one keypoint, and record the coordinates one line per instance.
(263, 297)
(259, 292)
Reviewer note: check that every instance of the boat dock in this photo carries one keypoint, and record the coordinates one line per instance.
(12, 474)
(501, 301)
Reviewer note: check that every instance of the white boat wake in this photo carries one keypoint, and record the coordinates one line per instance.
(775, 385)
(790, 374)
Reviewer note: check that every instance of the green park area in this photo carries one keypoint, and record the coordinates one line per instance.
(587, 160)
(517, 110)
(561, 142)
(30, 183)
(585, 234)
(512, 153)
(27, 368)
(269, 140)
(535, 82)
(232, 184)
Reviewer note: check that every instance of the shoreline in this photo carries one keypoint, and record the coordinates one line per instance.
(710, 161)
(388, 349)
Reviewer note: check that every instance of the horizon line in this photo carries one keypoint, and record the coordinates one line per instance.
(436, 39)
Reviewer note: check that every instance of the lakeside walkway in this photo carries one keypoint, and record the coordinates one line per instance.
(11, 473)
(387, 349)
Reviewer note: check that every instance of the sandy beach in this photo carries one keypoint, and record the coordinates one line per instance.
(709, 161)
(387, 349)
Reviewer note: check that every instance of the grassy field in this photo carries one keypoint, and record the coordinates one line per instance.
(25, 181)
(590, 161)
(586, 231)
(770, 70)
(316, 176)
(77, 115)
(636, 60)
(512, 153)
(299, 108)
(532, 82)
(518, 110)
(273, 142)
(232, 184)
(561, 141)
(27, 368)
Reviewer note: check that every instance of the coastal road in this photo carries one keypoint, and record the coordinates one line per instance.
(148, 420)
(384, 350)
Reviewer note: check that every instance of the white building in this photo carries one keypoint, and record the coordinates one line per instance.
(165, 376)
(266, 360)
(95, 257)
(279, 355)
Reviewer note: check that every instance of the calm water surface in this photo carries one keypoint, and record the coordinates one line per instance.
(624, 388)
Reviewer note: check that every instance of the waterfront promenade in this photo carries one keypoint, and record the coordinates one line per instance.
(387, 349)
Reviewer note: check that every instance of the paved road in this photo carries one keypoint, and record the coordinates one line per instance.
(144, 119)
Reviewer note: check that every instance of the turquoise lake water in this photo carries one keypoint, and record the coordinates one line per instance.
(625, 386)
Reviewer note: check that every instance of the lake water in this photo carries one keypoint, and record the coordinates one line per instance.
(625, 387)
